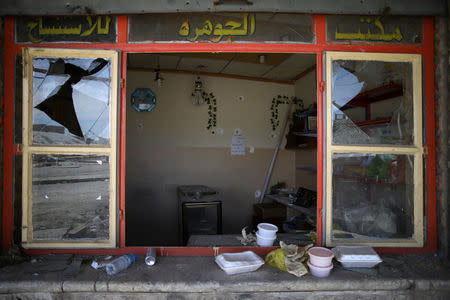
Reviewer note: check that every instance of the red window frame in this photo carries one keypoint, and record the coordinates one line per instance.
(321, 45)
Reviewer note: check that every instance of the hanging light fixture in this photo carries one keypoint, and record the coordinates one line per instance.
(197, 97)
(158, 79)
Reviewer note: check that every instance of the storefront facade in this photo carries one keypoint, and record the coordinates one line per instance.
(399, 50)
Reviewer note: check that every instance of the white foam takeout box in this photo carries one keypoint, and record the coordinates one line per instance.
(356, 256)
(235, 263)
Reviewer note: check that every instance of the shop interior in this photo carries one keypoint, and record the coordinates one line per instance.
(201, 132)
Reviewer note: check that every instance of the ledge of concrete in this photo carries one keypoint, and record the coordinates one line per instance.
(399, 275)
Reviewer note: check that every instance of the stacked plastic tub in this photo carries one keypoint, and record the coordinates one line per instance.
(320, 261)
(266, 234)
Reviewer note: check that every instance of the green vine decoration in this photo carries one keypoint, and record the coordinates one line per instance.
(275, 122)
(210, 99)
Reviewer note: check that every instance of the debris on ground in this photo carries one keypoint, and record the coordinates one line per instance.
(289, 258)
(12, 256)
(100, 262)
(247, 238)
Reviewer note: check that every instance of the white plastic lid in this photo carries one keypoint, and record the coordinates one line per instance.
(268, 227)
(241, 259)
(355, 254)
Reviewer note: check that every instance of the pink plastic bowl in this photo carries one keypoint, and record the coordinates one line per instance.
(319, 271)
(320, 257)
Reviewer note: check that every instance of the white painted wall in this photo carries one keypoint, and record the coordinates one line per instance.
(305, 88)
(175, 121)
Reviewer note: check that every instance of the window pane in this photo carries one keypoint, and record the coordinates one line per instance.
(372, 102)
(70, 196)
(71, 100)
(373, 196)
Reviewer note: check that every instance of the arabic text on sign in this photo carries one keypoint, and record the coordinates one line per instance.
(218, 31)
(42, 30)
(369, 36)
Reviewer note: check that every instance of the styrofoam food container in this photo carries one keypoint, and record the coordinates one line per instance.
(356, 256)
(320, 256)
(235, 263)
(319, 271)
(267, 230)
(264, 241)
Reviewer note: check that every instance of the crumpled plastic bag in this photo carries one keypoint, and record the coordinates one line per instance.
(289, 258)
(247, 238)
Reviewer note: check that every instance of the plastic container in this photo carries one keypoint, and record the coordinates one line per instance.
(320, 256)
(120, 264)
(150, 257)
(320, 272)
(267, 230)
(235, 263)
(356, 256)
(264, 241)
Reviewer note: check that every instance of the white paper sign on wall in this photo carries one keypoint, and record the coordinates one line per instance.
(238, 143)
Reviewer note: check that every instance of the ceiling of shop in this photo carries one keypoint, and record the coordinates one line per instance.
(285, 67)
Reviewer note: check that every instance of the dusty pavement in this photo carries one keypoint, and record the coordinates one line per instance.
(72, 277)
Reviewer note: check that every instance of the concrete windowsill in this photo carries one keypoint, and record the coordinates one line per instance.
(403, 275)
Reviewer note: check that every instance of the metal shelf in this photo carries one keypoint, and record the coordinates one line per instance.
(285, 200)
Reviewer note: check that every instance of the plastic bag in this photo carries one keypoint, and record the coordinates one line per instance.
(289, 258)
(276, 259)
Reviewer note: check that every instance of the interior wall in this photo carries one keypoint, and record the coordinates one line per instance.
(306, 88)
(175, 121)
(306, 159)
(171, 146)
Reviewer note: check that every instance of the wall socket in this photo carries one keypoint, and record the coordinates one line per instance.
(240, 98)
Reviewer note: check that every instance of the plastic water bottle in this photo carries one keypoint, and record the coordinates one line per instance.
(150, 257)
(120, 264)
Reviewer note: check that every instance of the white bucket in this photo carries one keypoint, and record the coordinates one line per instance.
(267, 230)
(320, 272)
(320, 256)
(264, 241)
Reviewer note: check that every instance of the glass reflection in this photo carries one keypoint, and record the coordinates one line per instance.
(70, 197)
(373, 196)
(372, 102)
(71, 100)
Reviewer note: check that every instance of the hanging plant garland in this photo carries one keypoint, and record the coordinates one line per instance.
(274, 121)
(210, 100)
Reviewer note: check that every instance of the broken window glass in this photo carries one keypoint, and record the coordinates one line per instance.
(373, 196)
(71, 100)
(70, 196)
(372, 102)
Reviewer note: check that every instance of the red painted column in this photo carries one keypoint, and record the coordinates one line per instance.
(430, 125)
(122, 38)
(321, 41)
(8, 147)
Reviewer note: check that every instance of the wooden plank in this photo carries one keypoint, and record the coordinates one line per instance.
(289, 82)
(26, 176)
(113, 149)
(329, 163)
(304, 73)
(379, 149)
